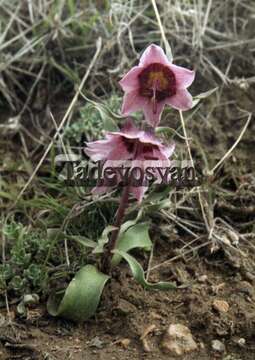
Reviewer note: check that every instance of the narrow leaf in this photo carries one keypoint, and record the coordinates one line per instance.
(103, 240)
(197, 98)
(168, 49)
(82, 240)
(138, 274)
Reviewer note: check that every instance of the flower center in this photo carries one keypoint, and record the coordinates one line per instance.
(134, 147)
(130, 144)
(157, 82)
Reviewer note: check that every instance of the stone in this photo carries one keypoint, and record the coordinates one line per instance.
(124, 307)
(218, 346)
(221, 306)
(96, 342)
(239, 341)
(202, 279)
(178, 340)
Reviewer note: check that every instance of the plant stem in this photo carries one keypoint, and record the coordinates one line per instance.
(106, 258)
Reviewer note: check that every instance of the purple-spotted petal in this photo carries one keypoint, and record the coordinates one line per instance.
(120, 152)
(130, 81)
(132, 102)
(153, 54)
(153, 117)
(184, 77)
(182, 100)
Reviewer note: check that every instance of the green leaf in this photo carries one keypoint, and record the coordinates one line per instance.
(156, 197)
(103, 240)
(138, 274)
(82, 240)
(130, 223)
(197, 98)
(168, 49)
(66, 70)
(157, 201)
(81, 297)
(58, 234)
(136, 236)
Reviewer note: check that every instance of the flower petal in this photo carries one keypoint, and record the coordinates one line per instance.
(184, 77)
(182, 100)
(128, 130)
(164, 152)
(99, 150)
(130, 81)
(153, 118)
(120, 152)
(168, 150)
(132, 102)
(153, 54)
(138, 192)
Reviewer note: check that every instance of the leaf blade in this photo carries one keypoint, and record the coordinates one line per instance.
(136, 236)
(138, 274)
(81, 297)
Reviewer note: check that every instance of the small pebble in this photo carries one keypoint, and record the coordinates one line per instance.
(221, 305)
(202, 278)
(178, 340)
(218, 346)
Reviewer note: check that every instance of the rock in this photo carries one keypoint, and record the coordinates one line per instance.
(217, 288)
(218, 346)
(202, 279)
(96, 342)
(239, 341)
(123, 342)
(124, 307)
(246, 288)
(146, 346)
(178, 340)
(221, 306)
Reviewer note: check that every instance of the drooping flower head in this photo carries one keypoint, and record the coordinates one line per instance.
(129, 144)
(154, 83)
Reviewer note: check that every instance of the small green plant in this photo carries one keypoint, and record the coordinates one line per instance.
(23, 271)
(90, 122)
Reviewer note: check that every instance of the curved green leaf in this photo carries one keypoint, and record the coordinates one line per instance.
(136, 236)
(197, 98)
(82, 240)
(81, 297)
(103, 240)
(138, 274)
(130, 223)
